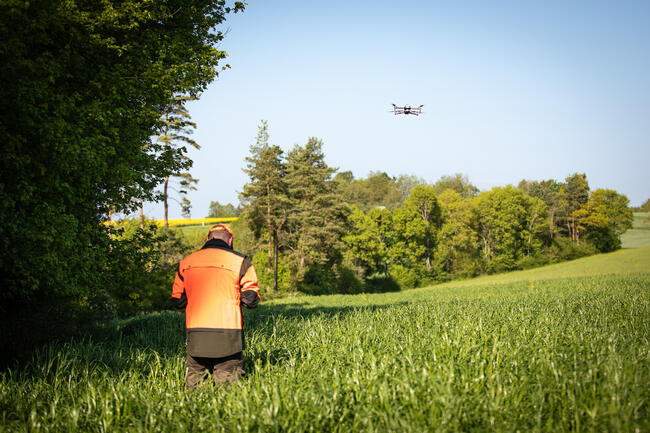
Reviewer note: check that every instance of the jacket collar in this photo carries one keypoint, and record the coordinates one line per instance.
(217, 243)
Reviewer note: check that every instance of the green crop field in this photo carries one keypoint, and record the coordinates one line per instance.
(639, 234)
(560, 348)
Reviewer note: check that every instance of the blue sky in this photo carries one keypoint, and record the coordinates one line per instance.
(511, 90)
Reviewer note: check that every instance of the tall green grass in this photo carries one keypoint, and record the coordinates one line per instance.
(543, 353)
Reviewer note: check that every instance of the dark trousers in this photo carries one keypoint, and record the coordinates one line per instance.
(223, 370)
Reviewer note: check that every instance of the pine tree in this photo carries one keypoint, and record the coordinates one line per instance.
(177, 128)
(264, 194)
(317, 218)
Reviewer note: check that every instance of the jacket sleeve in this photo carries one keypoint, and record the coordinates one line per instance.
(250, 294)
(179, 298)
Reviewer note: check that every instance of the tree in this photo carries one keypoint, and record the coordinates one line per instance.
(458, 243)
(265, 193)
(85, 85)
(370, 238)
(406, 183)
(177, 128)
(377, 190)
(511, 226)
(317, 218)
(217, 210)
(416, 224)
(575, 196)
(551, 193)
(458, 182)
(604, 218)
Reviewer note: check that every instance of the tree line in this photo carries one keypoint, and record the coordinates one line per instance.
(320, 231)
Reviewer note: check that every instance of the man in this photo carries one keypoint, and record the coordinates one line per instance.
(212, 285)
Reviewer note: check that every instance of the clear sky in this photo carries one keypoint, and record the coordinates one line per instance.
(511, 90)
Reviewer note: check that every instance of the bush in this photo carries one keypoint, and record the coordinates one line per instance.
(528, 262)
(563, 248)
(348, 279)
(318, 280)
(405, 278)
(266, 277)
(381, 283)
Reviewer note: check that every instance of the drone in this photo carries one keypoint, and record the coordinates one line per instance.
(407, 109)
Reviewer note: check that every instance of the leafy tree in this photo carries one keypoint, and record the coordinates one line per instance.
(575, 196)
(458, 242)
(217, 210)
(82, 96)
(265, 193)
(406, 182)
(369, 240)
(416, 224)
(552, 194)
(458, 182)
(604, 218)
(511, 226)
(377, 190)
(177, 128)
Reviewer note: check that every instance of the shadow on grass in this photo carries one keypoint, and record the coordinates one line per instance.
(139, 343)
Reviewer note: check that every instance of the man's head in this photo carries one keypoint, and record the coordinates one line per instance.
(221, 231)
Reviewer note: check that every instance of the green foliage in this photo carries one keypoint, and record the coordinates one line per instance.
(458, 243)
(143, 262)
(376, 190)
(217, 210)
(553, 195)
(264, 196)
(406, 277)
(645, 207)
(349, 279)
(605, 217)
(84, 87)
(512, 225)
(563, 248)
(416, 225)
(370, 239)
(266, 277)
(458, 183)
(317, 219)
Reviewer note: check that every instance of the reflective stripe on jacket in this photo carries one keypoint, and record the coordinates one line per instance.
(216, 282)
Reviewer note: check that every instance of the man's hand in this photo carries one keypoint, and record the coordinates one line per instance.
(250, 298)
(179, 303)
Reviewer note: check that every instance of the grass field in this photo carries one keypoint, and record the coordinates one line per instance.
(560, 348)
(639, 234)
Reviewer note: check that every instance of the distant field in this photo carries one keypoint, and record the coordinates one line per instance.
(560, 348)
(639, 234)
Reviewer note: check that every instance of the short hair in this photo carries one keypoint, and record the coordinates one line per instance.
(220, 231)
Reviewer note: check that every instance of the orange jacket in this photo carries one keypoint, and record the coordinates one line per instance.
(215, 282)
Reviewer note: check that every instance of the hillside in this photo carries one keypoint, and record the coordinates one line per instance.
(639, 235)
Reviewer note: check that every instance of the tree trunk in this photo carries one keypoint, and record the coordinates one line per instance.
(141, 213)
(551, 223)
(166, 202)
(268, 224)
(275, 260)
(573, 228)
